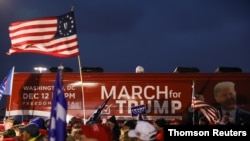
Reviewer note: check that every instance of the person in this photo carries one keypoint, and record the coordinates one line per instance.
(114, 126)
(139, 69)
(39, 121)
(96, 132)
(127, 126)
(1, 135)
(144, 131)
(30, 132)
(9, 122)
(41, 124)
(74, 131)
(159, 126)
(225, 95)
(10, 133)
(17, 131)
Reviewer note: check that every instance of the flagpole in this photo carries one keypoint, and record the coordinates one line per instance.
(83, 100)
(80, 70)
(13, 68)
(193, 95)
(9, 105)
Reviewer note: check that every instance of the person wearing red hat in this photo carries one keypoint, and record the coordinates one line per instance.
(96, 132)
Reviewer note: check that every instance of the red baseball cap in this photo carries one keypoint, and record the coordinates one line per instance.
(1, 127)
(43, 132)
(98, 131)
(9, 139)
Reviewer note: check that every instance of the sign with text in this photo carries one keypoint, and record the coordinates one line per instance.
(155, 95)
(138, 110)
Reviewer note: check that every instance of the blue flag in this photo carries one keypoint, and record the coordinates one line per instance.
(138, 110)
(6, 85)
(57, 128)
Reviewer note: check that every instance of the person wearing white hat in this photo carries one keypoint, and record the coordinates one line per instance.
(144, 131)
(139, 69)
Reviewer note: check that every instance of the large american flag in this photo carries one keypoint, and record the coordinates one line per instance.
(57, 127)
(54, 36)
(211, 113)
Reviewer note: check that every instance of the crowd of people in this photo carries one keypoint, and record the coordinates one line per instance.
(37, 129)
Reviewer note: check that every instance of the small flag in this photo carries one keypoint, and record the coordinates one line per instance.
(211, 113)
(58, 123)
(54, 36)
(98, 111)
(6, 85)
(138, 110)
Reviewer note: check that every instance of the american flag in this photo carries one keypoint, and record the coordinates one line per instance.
(58, 123)
(98, 111)
(211, 113)
(6, 85)
(54, 36)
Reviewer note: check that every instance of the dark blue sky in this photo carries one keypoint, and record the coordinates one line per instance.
(160, 35)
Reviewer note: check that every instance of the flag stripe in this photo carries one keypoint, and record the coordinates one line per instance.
(210, 112)
(17, 36)
(34, 22)
(30, 30)
(53, 47)
(48, 35)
